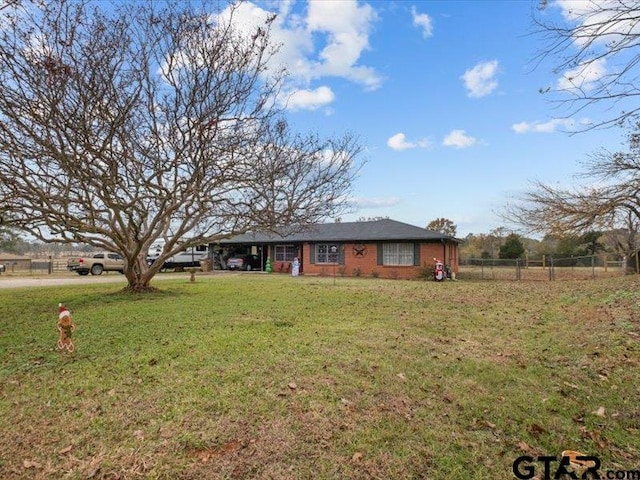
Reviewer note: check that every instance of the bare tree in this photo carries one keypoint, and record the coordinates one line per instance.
(141, 121)
(610, 202)
(596, 50)
(444, 226)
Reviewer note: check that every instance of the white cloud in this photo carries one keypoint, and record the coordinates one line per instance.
(583, 77)
(458, 139)
(603, 21)
(399, 142)
(361, 202)
(544, 127)
(310, 99)
(326, 40)
(346, 26)
(480, 80)
(423, 21)
(602, 27)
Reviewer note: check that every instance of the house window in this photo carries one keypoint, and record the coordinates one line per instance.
(285, 253)
(397, 254)
(327, 253)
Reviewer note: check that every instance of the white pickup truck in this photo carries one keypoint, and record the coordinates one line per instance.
(96, 264)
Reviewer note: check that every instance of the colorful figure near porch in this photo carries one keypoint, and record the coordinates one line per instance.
(66, 328)
(438, 271)
(268, 267)
(295, 267)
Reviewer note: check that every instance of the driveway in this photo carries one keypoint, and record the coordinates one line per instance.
(10, 281)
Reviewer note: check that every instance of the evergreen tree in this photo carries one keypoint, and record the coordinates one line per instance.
(512, 247)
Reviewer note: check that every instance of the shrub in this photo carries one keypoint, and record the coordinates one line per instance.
(425, 272)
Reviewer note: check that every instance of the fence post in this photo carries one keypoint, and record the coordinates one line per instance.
(551, 272)
(50, 265)
(518, 269)
(593, 266)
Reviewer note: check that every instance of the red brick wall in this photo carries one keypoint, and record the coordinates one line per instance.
(278, 267)
(367, 265)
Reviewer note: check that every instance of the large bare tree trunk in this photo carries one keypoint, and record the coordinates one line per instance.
(140, 275)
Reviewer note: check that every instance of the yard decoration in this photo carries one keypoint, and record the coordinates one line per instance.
(65, 327)
(438, 271)
(268, 268)
(295, 267)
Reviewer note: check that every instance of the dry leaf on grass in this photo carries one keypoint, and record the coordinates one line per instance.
(536, 430)
(31, 464)
(93, 468)
(356, 457)
(488, 424)
(600, 412)
(529, 450)
(595, 436)
(65, 450)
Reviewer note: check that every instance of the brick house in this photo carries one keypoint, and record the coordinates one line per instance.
(384, 248)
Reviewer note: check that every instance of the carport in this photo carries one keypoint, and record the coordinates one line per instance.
(278, 249)
(222, 251)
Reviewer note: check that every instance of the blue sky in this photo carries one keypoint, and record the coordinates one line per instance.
(444, 96)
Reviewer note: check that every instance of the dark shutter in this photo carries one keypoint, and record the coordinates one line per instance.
(312, 253)
(416, 254)
(341, 254)
(380, 257)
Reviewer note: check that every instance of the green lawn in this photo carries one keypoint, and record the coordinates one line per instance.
(258, 376)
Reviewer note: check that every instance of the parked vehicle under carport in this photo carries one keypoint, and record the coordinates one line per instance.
(244, 262)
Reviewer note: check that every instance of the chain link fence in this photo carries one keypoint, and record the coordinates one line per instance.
(547, 269)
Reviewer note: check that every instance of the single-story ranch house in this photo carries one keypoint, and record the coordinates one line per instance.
(383, 248)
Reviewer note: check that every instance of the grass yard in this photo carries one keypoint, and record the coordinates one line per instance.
(257, 376)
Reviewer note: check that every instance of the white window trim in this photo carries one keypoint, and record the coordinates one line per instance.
(328, 254)
(398, 254)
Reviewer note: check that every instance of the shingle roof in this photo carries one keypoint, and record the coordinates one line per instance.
(378, 230)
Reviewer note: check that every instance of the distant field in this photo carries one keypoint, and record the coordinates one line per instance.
(273, 377)
(488, 272)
